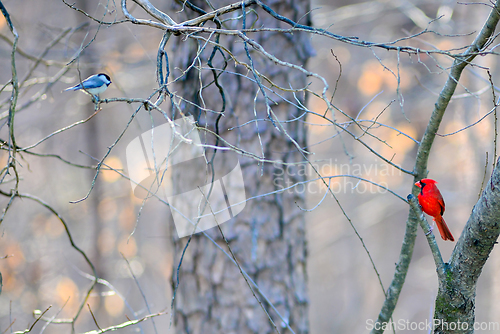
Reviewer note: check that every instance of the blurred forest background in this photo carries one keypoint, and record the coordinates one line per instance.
(39, 267)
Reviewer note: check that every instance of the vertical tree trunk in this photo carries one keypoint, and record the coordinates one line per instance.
(268, 236)
(93, 145)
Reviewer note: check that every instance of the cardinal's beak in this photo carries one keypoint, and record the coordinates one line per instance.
(418, 184)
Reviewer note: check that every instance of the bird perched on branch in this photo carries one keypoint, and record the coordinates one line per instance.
(432, 203)
(94, 85)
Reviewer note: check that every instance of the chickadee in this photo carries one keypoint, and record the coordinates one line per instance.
(95, 84)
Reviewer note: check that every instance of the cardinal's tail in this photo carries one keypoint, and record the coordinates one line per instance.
(443, 229)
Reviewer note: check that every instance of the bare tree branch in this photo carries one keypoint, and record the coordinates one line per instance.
(457, 291)
(420, 169)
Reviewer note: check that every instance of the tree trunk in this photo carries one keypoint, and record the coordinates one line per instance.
(268, 236)
(455, 302)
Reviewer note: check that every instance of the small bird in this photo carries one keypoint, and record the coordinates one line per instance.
(432, 203)
(95, 84)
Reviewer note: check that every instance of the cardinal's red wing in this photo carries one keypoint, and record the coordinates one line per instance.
(440, 201)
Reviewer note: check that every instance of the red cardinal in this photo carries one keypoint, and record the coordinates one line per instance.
(432, 203)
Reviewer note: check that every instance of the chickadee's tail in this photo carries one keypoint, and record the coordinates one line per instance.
(72, 88)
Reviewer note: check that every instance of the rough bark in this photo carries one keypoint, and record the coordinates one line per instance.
(268, 237)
